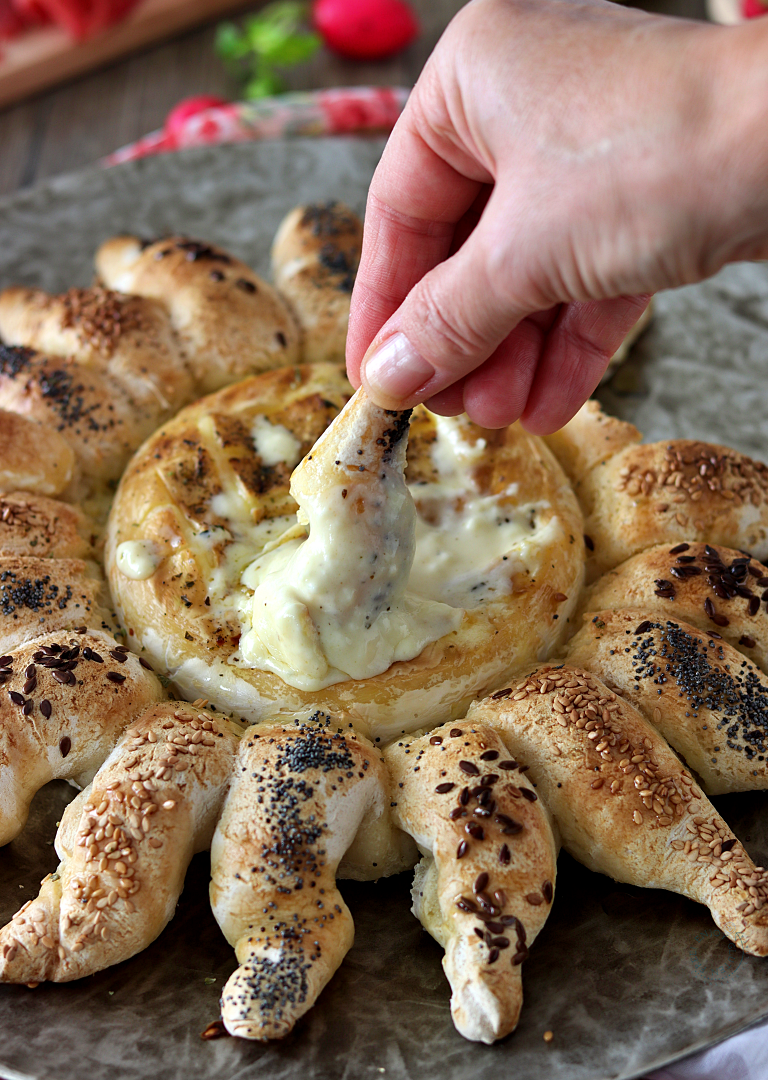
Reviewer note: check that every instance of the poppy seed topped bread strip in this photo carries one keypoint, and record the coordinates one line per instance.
(315, 255)
(304, 796)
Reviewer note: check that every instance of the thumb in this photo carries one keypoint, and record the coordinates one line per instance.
(452, 320)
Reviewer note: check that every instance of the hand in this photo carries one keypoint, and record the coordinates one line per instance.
(557, 162)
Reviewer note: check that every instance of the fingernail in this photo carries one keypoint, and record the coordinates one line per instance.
(396, 370)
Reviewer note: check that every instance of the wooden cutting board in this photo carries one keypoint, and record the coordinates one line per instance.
(41, 57)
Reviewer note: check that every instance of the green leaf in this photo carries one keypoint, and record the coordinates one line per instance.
(266, 84)
(230, 42)
(275, 37)
(294, 50)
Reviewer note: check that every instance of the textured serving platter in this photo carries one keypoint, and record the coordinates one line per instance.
(626, 979)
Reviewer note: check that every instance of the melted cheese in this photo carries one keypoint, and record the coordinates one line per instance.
(469, 545)
(275, 443)
(336, 605)
(364, 590)
(138, 559)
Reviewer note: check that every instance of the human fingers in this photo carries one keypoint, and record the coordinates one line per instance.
(548, 366)
(420, 207)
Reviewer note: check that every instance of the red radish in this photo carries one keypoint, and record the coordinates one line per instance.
(30, 12)
(180, 113)
(365, 29)
(750, 9)
(11, 22)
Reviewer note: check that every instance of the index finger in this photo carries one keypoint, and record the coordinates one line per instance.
(416, 200)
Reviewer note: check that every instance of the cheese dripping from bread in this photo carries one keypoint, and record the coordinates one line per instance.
(364, 580)
(332, 603)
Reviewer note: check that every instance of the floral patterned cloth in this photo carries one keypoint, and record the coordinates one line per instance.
(342, 111)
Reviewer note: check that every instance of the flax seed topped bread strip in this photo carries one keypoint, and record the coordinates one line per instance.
(595, 761)
(714, 588)
(485, 884)
(66, 699)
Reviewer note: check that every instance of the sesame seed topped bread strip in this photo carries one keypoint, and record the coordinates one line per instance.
(591, 437)
(594, 760)
(65, 700)
(707, 700)
(33, 457)
(303, 794)
(32, 524)
(95, 413)
(672, 492)
(229, 322)
(315, 255)
(129, 337)
(716, 589)
(125, 844)
(485, 884)
(38, 596)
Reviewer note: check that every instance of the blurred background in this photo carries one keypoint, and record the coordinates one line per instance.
(81, 78)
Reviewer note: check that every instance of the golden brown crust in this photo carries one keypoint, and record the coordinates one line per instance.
(711, 587)
(595, 762)
(675, 491)
(94, 413)
(299, 795)
(128, 337)
(201, 462)
(38, 596)
(486, 883)
(315, 256)
(229, 321)
(34, 525)
(708, 701)
(125, 844)
(591, 437)
(65, 701)
(33, 457)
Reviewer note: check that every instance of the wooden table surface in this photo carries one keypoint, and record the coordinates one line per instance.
(80, 122)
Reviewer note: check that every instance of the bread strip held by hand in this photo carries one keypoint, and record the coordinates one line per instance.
(125, 844)
(301, 794)
(486, 883)
(596, 763)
